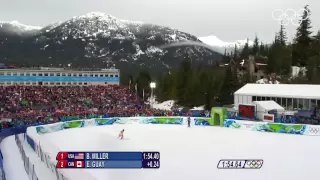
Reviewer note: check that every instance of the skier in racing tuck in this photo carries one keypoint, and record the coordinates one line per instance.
(121, 134)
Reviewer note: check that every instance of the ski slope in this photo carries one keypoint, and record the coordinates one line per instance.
(193, 153)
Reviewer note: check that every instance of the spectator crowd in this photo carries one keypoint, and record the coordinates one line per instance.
(34, 104)
(27, 105)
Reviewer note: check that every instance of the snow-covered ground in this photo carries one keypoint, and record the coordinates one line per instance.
(186, 153)
(193, 153)
(267, 81)
(167, 105)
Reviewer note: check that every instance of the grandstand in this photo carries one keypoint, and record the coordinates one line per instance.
(44, 76)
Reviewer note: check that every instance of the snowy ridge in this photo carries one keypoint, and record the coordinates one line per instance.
(215, 41)
(52, 26)
(97, 23)
(106, 17)
(20, 26)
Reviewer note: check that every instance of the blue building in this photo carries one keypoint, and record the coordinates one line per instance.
(58, 77)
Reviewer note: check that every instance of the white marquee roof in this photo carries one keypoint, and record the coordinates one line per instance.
(269, 105)
(303, 91)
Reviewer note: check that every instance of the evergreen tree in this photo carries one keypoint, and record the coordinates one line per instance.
(184, 78)
(229, 86)
(255, 48)
(261, 49)
(282, 36)
(301, 51)
(314, 60)
(235, 53)
(276, 39)
(225, 56)
(143, 83)
(245, 51)
(279, 56)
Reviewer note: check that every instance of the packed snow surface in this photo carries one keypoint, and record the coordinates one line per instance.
(193, 153)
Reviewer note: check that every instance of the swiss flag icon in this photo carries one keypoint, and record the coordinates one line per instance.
(79, 164)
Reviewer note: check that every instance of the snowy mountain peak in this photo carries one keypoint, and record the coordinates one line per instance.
(95, 15)
(19, 25)
(215, 41)
(106, 17)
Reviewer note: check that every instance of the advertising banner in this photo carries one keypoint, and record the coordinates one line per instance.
(268, 117)
(269, 127)
(89, 122)
(247, 112)
(162, 120)
(73, 124)
(105, 121)
(203, 122)
(49, 128)
(130, 120)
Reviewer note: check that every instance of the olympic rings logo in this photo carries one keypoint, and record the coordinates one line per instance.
(254, 163)
(290, 16)
(90, 122)
(313, 130)
(248, 125)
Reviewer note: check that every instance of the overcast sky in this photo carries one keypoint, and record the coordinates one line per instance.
(229, 20)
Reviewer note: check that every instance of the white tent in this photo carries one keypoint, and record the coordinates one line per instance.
(268, 105)
(264, 106)
(303, 91)
(289, 96)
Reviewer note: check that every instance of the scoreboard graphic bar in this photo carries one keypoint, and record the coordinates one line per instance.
(240, 164)
(99, 155)
(132, 160)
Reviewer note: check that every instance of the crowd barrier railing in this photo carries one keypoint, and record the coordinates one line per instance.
(45, 158)
(45, 154)
(28, 166)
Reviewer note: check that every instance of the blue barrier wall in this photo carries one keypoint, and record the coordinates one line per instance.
(12, 131)
(31, 142)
